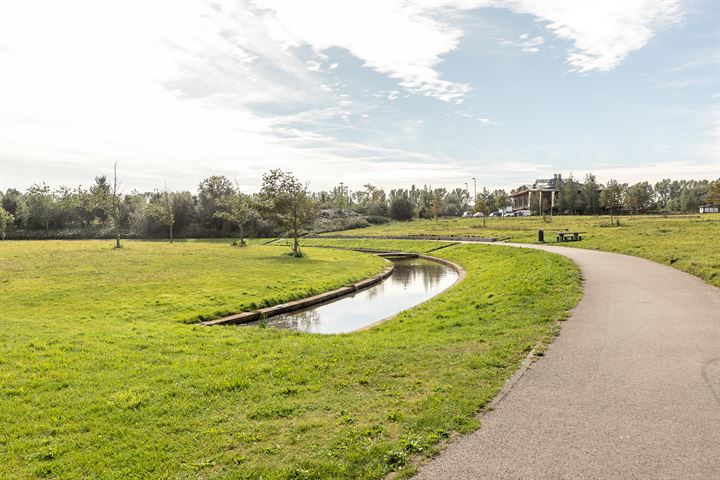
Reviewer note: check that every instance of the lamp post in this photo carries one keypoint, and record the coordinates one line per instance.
(342, 191)
(475, 190)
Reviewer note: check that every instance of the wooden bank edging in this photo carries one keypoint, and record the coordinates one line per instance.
(247, 317)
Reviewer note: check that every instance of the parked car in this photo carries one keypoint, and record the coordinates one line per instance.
(496, 214)
(467, 215)
(478, 215)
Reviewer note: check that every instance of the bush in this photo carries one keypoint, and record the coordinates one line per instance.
(377, 219)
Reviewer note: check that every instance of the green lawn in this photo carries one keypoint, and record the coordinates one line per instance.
(689, 243)
(99, 377)
(411, 246)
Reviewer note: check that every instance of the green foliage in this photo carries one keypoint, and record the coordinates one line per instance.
(401, 205)
(286, 202)
(638, 197)
(235, 207)
(211, 193)
(162, 208)
(109, 384)
(612, 196)
(38, 206)
(6, 218)
(713, 194)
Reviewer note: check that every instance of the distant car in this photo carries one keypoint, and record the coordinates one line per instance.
(467, 215)
(496, 214)
(478, 215)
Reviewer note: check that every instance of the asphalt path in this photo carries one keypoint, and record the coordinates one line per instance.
(629, 389)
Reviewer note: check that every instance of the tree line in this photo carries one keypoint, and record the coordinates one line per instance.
(285, 206)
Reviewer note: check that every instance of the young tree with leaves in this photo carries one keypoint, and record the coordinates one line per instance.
(611, 197)
(101, 193)
(235, 208)
(6, 218)
(481, 206)
(286, 202)
(163, 210)
(39, 205)
(638, 197)
(713, 193)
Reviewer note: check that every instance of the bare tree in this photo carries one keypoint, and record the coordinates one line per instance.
(115, 206)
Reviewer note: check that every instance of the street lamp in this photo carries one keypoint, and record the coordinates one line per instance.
(342, 192)
(475, 189)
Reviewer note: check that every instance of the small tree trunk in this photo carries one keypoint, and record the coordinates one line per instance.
(171, 235)
(116, 219)
(296, 243)
(242, 239)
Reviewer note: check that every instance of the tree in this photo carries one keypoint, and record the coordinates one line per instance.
(39, 204)
(713, 193)
(11, 201)
(162, 209)
(663, 193)
(638, 197)
(424, 203)
(236, 208)
(286, 202)
(691, 198)
(591, 194)
(501, 199)
(611, 197)
(101, 194)
(456, 202)
(437, 204)
(210, 191)
(481, 206)
(6, 218)
(115, 206)
(401, 205)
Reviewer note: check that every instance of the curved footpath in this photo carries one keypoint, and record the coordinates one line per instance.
(629, 389)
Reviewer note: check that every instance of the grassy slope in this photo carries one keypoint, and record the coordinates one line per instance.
(98, 381)
(690, 244)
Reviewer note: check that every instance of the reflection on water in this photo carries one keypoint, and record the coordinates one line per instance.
(413, 281)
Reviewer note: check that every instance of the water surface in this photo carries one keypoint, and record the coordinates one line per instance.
(413, 281)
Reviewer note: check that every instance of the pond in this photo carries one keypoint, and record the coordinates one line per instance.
(413, 281)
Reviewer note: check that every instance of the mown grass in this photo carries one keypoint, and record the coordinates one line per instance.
(409, 246)
(690, 243)
(98, 379)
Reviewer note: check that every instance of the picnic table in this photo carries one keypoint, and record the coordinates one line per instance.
(569, 236)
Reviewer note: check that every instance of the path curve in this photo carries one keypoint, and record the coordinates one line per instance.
(629, 389)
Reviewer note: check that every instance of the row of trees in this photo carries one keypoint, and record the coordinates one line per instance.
(285, 205)
(666, 196)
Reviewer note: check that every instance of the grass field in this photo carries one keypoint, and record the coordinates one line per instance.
(411, 246)
(688, 243)
(99, 377)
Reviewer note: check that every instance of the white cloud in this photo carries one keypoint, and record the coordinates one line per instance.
(185, 88)
(604, 32)
(399, 39)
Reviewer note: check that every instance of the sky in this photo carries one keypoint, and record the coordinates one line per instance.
(388, 92)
